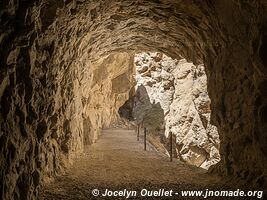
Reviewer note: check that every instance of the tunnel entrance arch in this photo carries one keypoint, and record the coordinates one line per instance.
(171, 97)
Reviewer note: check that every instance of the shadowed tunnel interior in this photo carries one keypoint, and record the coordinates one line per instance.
(66, 69)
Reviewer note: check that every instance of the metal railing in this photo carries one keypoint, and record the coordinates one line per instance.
(171, 154)
(145, 140)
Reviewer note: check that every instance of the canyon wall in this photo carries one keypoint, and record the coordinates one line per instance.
(180, 88)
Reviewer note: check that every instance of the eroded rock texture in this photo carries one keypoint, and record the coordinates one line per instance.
(49, 48)
(180, 88)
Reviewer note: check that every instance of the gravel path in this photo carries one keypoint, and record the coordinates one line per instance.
(117, 162)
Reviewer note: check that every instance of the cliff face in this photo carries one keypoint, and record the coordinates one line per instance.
(180, 88)
(49, 47)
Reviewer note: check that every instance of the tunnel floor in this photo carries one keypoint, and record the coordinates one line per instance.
(117, 161)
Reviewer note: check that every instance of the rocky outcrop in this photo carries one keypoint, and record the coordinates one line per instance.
(48, 46)
(180, 88)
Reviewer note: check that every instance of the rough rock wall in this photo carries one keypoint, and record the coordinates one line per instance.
(111, 83)
(50, 113)
(228, 36)
(52, 105)
(237, 75)
(180, 88)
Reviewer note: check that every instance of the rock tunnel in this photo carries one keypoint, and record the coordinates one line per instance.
(66, 69)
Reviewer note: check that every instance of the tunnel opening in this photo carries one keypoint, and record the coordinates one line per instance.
(65, 73)
(172, 96)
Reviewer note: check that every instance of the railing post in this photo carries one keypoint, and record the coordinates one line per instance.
(145, 139)
(138, 128)
(171, 147)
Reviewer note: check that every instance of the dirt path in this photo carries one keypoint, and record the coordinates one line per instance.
(117, 161)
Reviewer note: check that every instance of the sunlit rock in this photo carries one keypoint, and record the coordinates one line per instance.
(180, 89)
